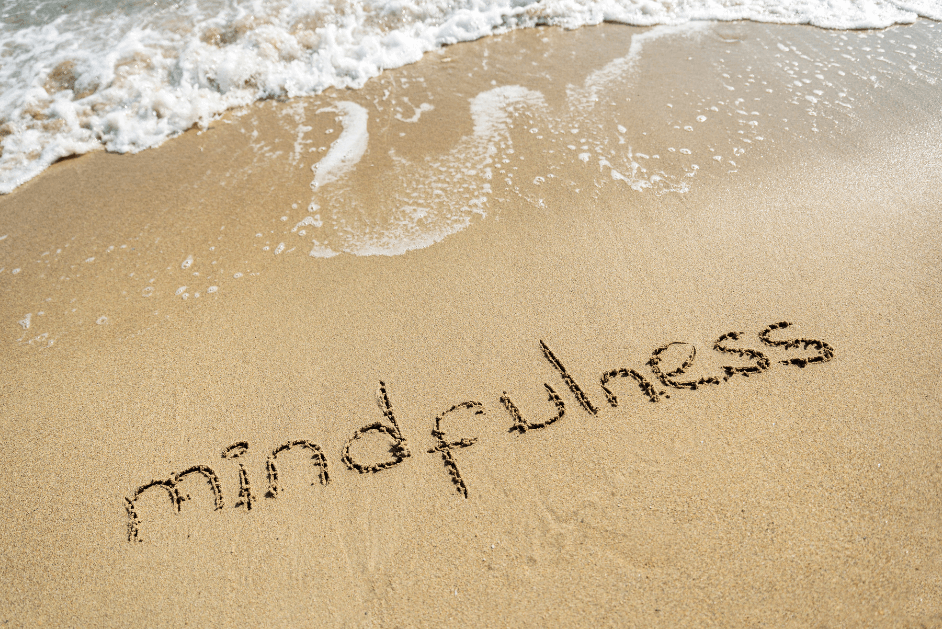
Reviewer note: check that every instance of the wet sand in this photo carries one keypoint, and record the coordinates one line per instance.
(625, 462)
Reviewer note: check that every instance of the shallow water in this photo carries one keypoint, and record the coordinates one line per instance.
(126, 75)
(478, 133)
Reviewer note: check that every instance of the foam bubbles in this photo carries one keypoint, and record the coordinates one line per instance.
(85, 76)
(432, 199)
(347, 149)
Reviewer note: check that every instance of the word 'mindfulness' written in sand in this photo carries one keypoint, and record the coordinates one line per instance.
(446, 445)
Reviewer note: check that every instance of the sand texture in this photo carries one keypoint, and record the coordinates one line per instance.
(620, 384)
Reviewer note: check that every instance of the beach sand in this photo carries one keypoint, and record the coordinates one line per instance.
(806, 494)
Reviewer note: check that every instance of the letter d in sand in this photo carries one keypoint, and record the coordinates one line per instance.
(399, 449)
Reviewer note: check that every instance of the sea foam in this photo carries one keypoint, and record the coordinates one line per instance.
(124, 76)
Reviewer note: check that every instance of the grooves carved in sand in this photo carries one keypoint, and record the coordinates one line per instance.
(446, 446)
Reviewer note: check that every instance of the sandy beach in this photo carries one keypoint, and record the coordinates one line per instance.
(530, 354)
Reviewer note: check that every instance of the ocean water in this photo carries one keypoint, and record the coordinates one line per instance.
(126, 75)
(407, 158)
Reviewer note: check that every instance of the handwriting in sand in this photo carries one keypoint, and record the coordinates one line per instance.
(813, 351)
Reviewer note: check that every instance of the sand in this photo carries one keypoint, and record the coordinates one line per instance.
(757, 490)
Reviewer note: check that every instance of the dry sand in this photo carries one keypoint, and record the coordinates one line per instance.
(799, 496)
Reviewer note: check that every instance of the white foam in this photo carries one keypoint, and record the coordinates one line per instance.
(586, 97)
(347, 149)
(931, 9)
(434, 198)
(417, 111)
(307, 220)
(127, 76)
(322, 251)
